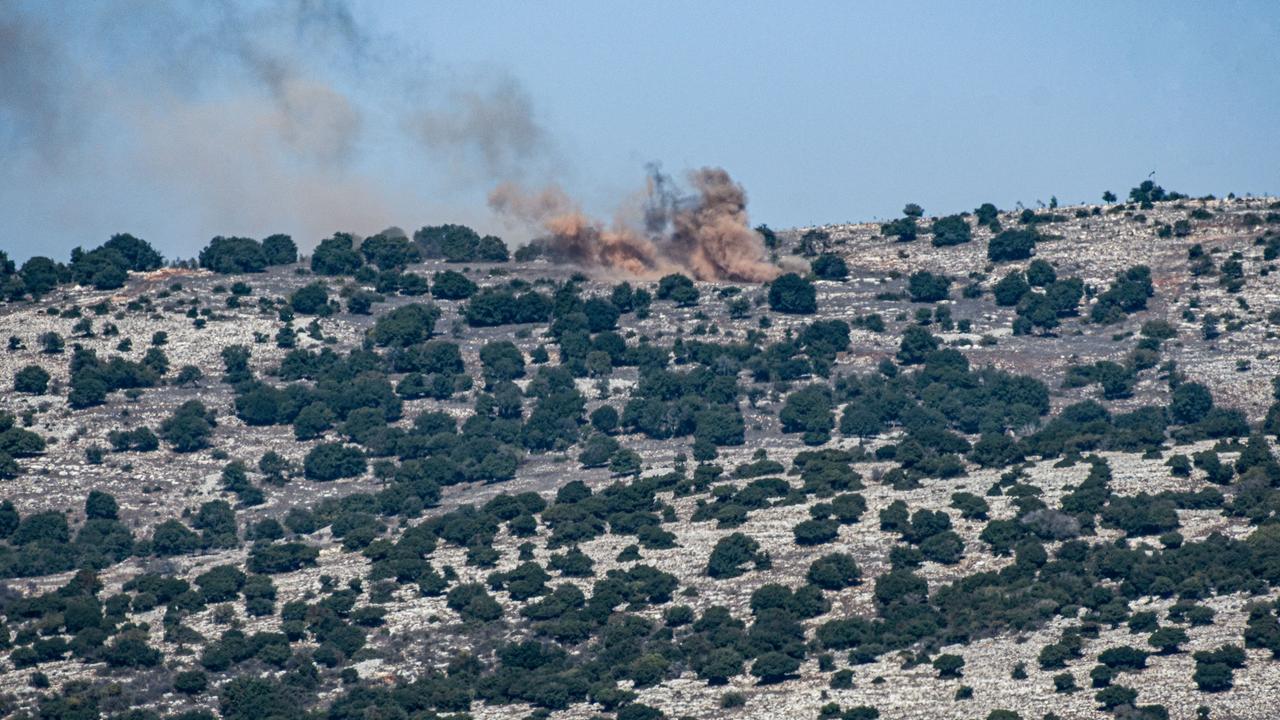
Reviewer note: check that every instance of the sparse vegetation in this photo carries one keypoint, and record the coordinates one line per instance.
(239, 494)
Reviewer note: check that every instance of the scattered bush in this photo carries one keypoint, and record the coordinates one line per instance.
(793, 294)
(1011, 245)
(31, 379)
(333, 461)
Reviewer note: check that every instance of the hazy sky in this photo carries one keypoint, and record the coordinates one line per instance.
(179, 121)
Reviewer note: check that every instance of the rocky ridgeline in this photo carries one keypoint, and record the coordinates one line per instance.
(421, 634)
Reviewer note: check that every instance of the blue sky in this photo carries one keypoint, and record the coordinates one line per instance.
(826, 112)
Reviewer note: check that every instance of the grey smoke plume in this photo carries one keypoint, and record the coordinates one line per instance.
(705, 234)
(36, 86)
(180, 121)
(488, 124)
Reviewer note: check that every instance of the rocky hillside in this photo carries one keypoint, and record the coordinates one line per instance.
(993, 465)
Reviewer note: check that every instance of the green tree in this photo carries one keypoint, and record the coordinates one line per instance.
(1012, 245)
(816, 532)
(924, 286)
(605, 419)
(768, 235)
(452, 285)
(501, 361)
(492, 249)
(731, 554)
(1040, 273)
(948, 666)
(336, 255)
(31, 379)
(432, 239)
(834, 571)
(473, 603)
(171, 538)
(138, 254)
(809, 411)
(1114, 696)
(230, 255)
(1191, 402)
(279, 250)
(719, 425)
(677, 288)
(190, 682)
(221, 583)
(406, 325)
(774, 667)
(189, 427)
(389, 251)
(1167, 639)
(1128, 293)
(905, 229)
(625, 462)
(312, 299)
(102, 268)
(100, 506)
(256, 698)
(916, 345)
(829, 266)
(40, 275)
(1011, 289)
(597, 450)
(1149, 192)
(130, 650)
(793, 294)
(951, 230)
(601, 315)
(313, 421)
(986, 214)
(333, 461)
(1213, 677)
(492, 307)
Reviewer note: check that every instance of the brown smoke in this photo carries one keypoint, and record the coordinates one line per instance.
(713, 235)
(705, 235)
(576, 238)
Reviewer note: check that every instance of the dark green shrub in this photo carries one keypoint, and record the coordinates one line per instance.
(924, 286)
(948, 666)
(1012, 245)
(452, 285)
(829, 266)
(474, 604)
(793, 294)
(731, 554)
(31, 379)
(189, 428)
(190, 682)
(809, 411)
(279, 250)
(834, 571)
(951, 230)
(336, 255)
(816, 532)
(230, 255)
(333, 461)
(1011, 289)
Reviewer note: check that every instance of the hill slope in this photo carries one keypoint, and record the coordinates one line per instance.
(563, 496)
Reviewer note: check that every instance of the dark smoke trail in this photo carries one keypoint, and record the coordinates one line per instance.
(487, 125)
(212, 117)
(37, 87)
